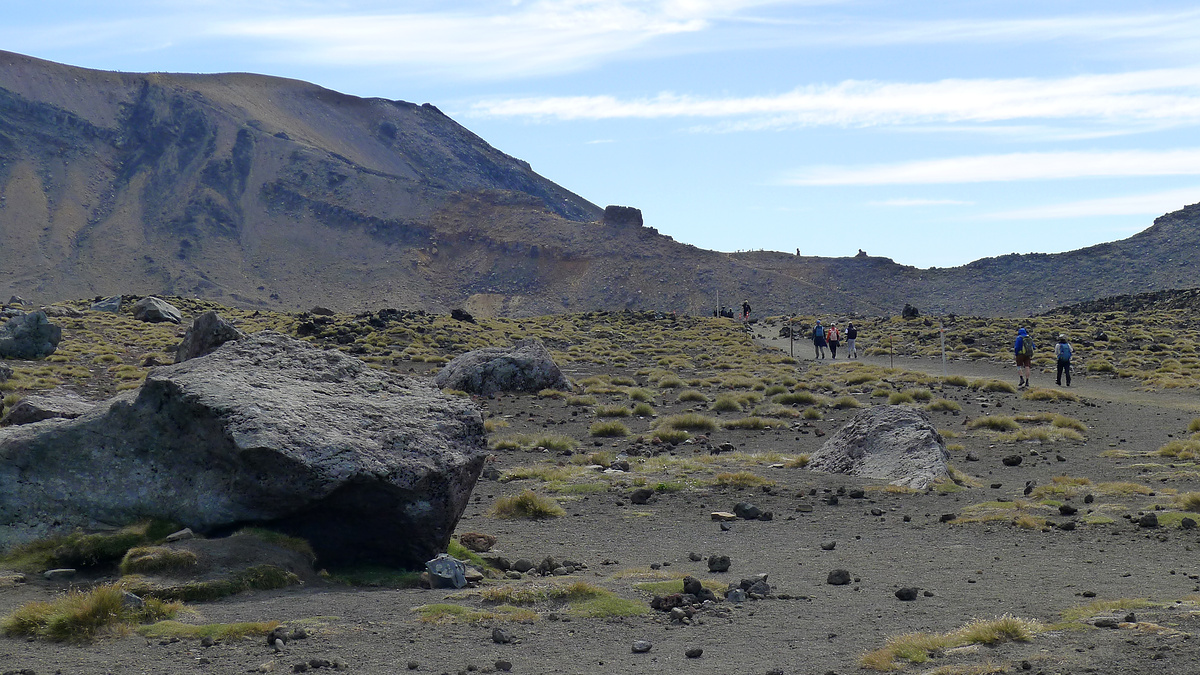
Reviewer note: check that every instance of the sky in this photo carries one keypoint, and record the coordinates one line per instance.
(932, 133)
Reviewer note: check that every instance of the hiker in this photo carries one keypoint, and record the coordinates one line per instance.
(745, 311)
(1023, 349)
(1062, 352)
(834, 337)
(851, 336)
(818, 338)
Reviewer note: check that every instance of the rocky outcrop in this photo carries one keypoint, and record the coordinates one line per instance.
(267, 430)
(527, 366)
(109, 304)
(5, 372)
(892, 443)
(208, 332)
(64, 404)
(30, 336)
(155, 310)
(622, 216)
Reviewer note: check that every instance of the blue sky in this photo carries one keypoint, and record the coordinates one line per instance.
(931, 133)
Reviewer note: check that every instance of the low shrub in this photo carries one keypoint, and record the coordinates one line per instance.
(80, 616)
(692, 396)
(609, 429)
(528, 505)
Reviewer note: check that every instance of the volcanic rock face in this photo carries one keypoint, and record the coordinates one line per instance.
(893, 443)
(527, 366)
(208, 332)
(269, 431)
(32, 409)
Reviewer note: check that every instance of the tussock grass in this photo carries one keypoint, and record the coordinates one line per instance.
(672, 436)
(150, 559)
(920, 647)
(1049, 395)
(257, 578)
(84, 550)
(1188, 501)
(799, 398)
(741, 479)
(726, 403)
(692, 396)
(1194, 425)
(493, 425)
(845, 402)
(955, 381)
(528, 506)
(1043, 434)
(81, 616)
(812, 414)
(993, 385)
(1180, 449)
(446, 613)
(900, 397)
(1082, 612)
(752, 423)
(942, 404)
(994, 423)
(798, 462)
(687, 422)
(556, 443)
(643, 410)
(613, 411)
(642, 395)
(581, 401)
(609, 429)
(216, 631)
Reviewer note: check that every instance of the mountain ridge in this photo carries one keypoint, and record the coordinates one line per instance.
(272, 192)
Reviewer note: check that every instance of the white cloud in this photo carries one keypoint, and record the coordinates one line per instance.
(1010, 167)
(1149, 97)
(1155, 203)
(920, 202)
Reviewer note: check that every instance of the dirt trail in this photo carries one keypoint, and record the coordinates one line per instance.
(1099, 388)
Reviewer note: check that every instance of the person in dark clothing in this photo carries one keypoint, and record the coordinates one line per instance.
(1023, 350)
(851, 336)
(818, 337)
(1062, 351)
(745, 311)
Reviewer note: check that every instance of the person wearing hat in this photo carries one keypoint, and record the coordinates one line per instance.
(1062, 352)
(1023, 350)
(818, 338)
(851, 336)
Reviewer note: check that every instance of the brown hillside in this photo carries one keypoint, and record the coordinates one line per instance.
(267, 192)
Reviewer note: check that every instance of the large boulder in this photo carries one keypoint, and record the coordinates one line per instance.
(892, 443)
(526, 366)
(64, 404)
(208, 332)
(5, 372)
(30, 336)
(268, 431)
(156, 310)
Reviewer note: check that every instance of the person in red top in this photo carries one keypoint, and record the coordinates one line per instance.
(833, 337)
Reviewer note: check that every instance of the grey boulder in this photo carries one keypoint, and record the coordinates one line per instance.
(109, 304)
(892, 443)
(526, 366)
(155, 310)
(30, 336)
(208, 332)
(5, 372)
(63, 404)
(268, 431)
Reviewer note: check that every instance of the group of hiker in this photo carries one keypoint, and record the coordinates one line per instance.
(1023, 351)
(831, 337)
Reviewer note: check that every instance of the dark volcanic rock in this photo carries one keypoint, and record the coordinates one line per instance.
(155, 310)
(838, 578)
(527, 366)
(62, 404)
(110, 304)
(30, 336)
(888, 442)
(208, 332)
(267, 430)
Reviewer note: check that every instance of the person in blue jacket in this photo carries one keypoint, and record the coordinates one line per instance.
(818, 337)
(1023, 350)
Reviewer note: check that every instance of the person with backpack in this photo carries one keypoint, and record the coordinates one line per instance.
(834, 338)
(745, 311)
(1062, 352)
(1023, 349)
(818, 338)
(851, 336)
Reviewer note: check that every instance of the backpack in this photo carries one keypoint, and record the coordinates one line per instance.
(1026, 346)
(1064, 351)
(833, 335)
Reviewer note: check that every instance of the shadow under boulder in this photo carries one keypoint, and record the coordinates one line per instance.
(268, 430)
(892, 443)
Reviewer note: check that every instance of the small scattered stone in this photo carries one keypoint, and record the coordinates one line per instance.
(1148, 521)
(694, 652)
(413, 665)
(503, 666)
(907, 594)
(523, 565)
(207, 641)
(641, 496)
(1012, 460)
(60, 573)
(838, 578)
(1187, 524)
(501, 636)
(185, 533)
(641, 646)
(718, 563)
(723, 516)
(1067, 510)
(1106, 622)
(1131, 618)
(947, 517)
(829, 546)
(746, 510)
(695, 557)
